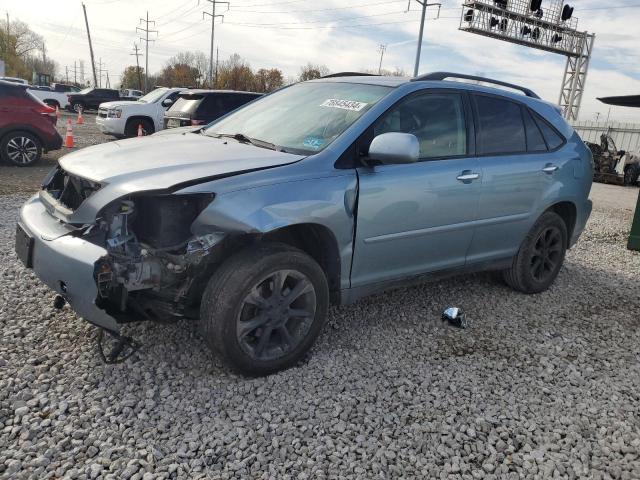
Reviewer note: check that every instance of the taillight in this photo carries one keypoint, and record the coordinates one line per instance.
(197, 122)
(47, 112)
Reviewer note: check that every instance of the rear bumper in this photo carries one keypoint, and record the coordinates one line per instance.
(53, 143)
(65, 263)
(581, 221)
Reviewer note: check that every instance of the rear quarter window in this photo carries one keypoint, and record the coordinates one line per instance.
(551, 135)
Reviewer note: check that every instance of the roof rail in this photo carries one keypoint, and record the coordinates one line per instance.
(350, 74)
(443, 75)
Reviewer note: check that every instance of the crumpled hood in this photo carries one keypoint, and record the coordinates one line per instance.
(117, 103)
(161, 162)
(157, 162)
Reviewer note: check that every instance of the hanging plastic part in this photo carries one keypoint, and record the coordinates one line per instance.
(455, 317)
(122, 349)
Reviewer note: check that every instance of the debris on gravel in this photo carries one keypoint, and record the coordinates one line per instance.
(541, 386)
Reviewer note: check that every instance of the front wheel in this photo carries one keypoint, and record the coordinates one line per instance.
(540, 257)
(77, 107)
(264, 308)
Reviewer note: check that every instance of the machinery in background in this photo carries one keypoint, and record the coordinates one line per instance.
(612, 165)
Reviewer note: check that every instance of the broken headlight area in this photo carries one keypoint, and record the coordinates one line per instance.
(68, 189)
(153, 258)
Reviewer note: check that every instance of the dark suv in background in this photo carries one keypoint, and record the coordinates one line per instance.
(27, 126)
(199, 107)
(91, 98)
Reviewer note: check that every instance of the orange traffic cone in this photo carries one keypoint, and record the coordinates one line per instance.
(57, 113)
(140, 132)
(80, 120)
(68, 139)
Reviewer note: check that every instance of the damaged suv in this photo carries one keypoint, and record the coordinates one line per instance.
(318, 194)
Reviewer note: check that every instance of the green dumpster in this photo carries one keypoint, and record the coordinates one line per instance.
(634, 236)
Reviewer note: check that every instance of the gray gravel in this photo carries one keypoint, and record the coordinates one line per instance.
(544, 386)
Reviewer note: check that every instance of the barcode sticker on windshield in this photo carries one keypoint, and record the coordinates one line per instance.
(344, 104)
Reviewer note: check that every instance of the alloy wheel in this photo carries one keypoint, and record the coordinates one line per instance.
(276, 315)
(22, 150)
(547, 253)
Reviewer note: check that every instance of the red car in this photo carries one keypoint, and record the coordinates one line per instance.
(27, 126)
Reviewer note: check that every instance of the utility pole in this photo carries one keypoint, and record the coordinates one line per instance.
(100, 70)
(108, 85)
(93, 62)
(135, 46)
(67, 70)
(424, 11)
(381, 48)
(74, 69)
(216, 77)
(213, 24)
(146, 39)
(6, 43)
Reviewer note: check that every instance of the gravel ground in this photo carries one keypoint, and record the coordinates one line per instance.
(543, 386)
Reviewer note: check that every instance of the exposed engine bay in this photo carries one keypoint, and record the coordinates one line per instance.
(153, 260)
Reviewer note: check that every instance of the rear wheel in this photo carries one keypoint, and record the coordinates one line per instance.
(21, 149)
(264, 308)
(131, 130)
(540, 257)
(631, 174)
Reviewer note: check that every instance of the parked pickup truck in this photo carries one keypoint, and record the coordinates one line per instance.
(56, 95)
(91, 98)
(122, 118)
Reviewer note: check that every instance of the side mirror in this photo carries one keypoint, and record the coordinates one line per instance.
(395, 147)
(167, 102)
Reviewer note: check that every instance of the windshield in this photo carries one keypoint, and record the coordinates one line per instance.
(153, 96)
(304, 118)
(86, 90)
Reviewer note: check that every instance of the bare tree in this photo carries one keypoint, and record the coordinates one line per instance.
(23, 40)
(311, 71)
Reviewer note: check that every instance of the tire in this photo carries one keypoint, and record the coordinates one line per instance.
(631, 174)
(21, 149)
(131, 129)
(540, 256)
(249, 338)
(77, 106)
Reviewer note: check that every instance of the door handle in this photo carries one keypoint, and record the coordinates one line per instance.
(468, 176)
(550, 168)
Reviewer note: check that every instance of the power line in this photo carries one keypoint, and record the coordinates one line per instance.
(326, 21)
(387, 2)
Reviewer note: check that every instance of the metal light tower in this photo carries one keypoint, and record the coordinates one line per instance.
(551, 28)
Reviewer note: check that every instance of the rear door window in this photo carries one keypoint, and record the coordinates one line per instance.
(500, 128)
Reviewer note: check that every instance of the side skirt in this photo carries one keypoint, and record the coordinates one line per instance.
(351, 295)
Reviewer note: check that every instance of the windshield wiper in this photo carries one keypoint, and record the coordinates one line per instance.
(242, 138)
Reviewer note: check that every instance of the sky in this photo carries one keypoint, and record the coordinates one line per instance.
(344, 36)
